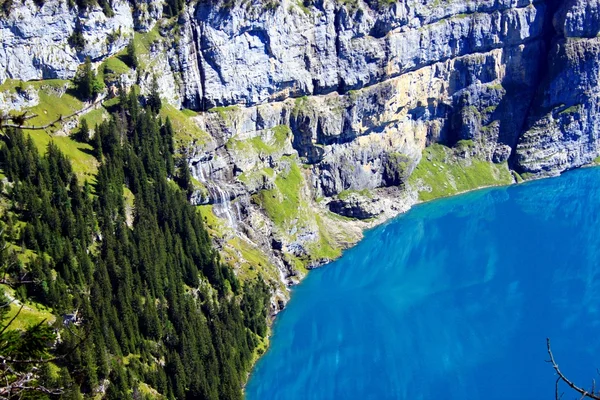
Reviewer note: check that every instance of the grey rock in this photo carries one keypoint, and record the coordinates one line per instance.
(289, 53)
(501, 153)
(563, 131)
(578, 18)
(35, 44)
(355, 205)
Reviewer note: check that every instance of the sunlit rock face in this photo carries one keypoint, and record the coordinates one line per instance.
(563, 128)
(327, 107)
(34, 41)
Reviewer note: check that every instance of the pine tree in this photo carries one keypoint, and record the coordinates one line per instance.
(132, 59)
(87, 84)
(153, 101)
(19, 375)
(130, 281)
(185, 178)
(83, 135)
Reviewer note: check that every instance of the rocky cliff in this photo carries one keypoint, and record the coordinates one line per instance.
(317, 119)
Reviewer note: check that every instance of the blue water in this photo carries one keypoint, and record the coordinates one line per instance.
(453, 300)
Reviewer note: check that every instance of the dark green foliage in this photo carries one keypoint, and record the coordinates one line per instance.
(88, 85)
(131, 57)
(254, 306)
(185, 178)
(396, 169)
(106, 8)
(76, 40)
(172, 8)
(153, 101)
(148, 285)
(83, 5)
(24, 354)
(83, 134)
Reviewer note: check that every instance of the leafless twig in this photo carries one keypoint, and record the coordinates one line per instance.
(21, 119)
(584, 393)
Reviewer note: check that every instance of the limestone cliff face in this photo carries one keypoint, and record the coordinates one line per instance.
(563, 128)
(34, 41)
(259, 55)
(318, 114)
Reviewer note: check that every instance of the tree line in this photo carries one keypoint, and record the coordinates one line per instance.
(142, 284)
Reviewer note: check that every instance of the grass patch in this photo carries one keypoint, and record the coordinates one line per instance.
(189, 113)
(440, 173)
(253, 262)
(10, 85)
(95, 117)
(185, 129)
(256, 175)
(518, 177)
(282, 203)
(570, 110)
(143, 42)
(323, 250)
(527, 176)
(490, 109)
(465, 144)
(129, 201)
(224, 112)
(84, 163)
(111, 103)
(257, 144)
(213, 223)
(115, 65)
(53, 102)
(148, 392)
(301, 6)
(300, 105)
(111, 69)
(345, 194)
(32, 313)
(56, 99)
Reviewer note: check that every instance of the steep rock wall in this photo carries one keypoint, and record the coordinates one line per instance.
(564, 125)
(314, 113)
(34, 41)
(250, 57)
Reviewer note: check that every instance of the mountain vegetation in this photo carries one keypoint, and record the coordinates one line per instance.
(146, 308)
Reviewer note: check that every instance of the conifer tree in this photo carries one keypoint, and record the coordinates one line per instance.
(132, 59)
(153, 101)
(83, 135)
(87, 84)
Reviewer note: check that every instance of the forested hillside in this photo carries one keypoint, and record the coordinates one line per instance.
(144, 308)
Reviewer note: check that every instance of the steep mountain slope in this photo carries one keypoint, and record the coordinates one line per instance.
(304, 123)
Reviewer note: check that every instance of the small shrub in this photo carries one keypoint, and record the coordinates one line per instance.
(76, 40)
(87, 83)
(131, 58)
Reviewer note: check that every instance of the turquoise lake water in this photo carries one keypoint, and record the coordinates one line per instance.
(453, 300)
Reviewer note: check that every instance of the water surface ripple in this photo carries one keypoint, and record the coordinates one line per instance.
(452, 300)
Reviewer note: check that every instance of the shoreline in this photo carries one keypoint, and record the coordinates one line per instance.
(376, 223)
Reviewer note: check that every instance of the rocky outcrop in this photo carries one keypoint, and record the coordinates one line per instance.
(35, 40)
(316, 115)
(294, 51)
(563, 128)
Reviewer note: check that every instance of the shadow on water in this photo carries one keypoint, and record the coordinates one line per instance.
(455, 297)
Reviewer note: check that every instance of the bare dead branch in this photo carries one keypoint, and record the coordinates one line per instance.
(12, 320)
(60, 118)
(561, 376)
(5, 360)
(556, 395)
